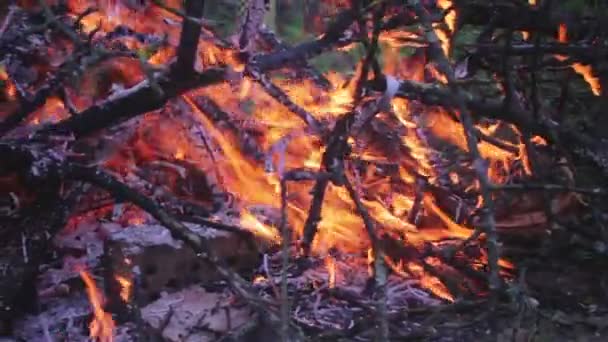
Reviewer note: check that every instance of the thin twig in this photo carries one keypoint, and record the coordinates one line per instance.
(7, 20)
(285, 244)
(279, 95)
(600, 192)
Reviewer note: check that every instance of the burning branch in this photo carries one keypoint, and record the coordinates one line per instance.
(480, 165)
(135, 101)
(404, 188)
(335, 36)
(307, 70)
(278, 94)
(56, 169)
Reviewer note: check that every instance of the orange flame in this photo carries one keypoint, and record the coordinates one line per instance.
(430, 282)
(370, 262)
(259, 279)
(330, 264)
(125, 287)
(11, 90)
(251, 223)
(291, 146)
(102, 326)
(450, 21)
(526, 34)
(584, 70)
(180, 154)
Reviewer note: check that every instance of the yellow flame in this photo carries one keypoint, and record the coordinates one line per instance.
(125, 287)
(584, 70)
(102, 326)
(251, 223)
(330, 264)
(180, 154)
(450, 21)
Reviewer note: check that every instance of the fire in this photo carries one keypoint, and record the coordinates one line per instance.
(288, 144)
(245, 88)
(450, 17)
(180, 154)
(584, 70)
(136, 220)
(125, 287)
(330, 264)
(102, 326)
(7, 84)
(370, 262)
(251, 223)
(430, 282)
(259, 279)
(526, 34)
(450, 21)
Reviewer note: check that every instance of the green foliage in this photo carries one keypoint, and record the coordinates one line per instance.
(577, 6)
(224, 14)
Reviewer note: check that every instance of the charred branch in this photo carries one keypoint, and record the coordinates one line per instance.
(479, 164)
(135, 101)
(188, 41)
(334, 37)
(523, 17)
(75, 65)
(306, 69)
(279, 95)
(44, 167)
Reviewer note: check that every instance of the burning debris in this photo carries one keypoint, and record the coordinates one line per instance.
(222, 188)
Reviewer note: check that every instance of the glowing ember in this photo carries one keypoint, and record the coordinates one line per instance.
(259, 279)
(136, 221)
(125, 288)
(526, 34)
(102, 325)
(584, 70)
(180, 154)
(9, 86)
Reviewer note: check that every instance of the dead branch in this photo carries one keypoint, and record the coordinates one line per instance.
(600, 192)
(306, 69)
(521, 16)
(28, 105)
(279, 95)
(45, 166)
(189, 37)
(7, 21)
(132, 102)
(285, 247)
(250, 23)
(334, 37)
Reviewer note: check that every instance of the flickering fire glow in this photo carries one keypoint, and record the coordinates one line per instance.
(450, 21)
(388, 197)
(102, 326)
(582, 69)
(125, 287)
(526, 34)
